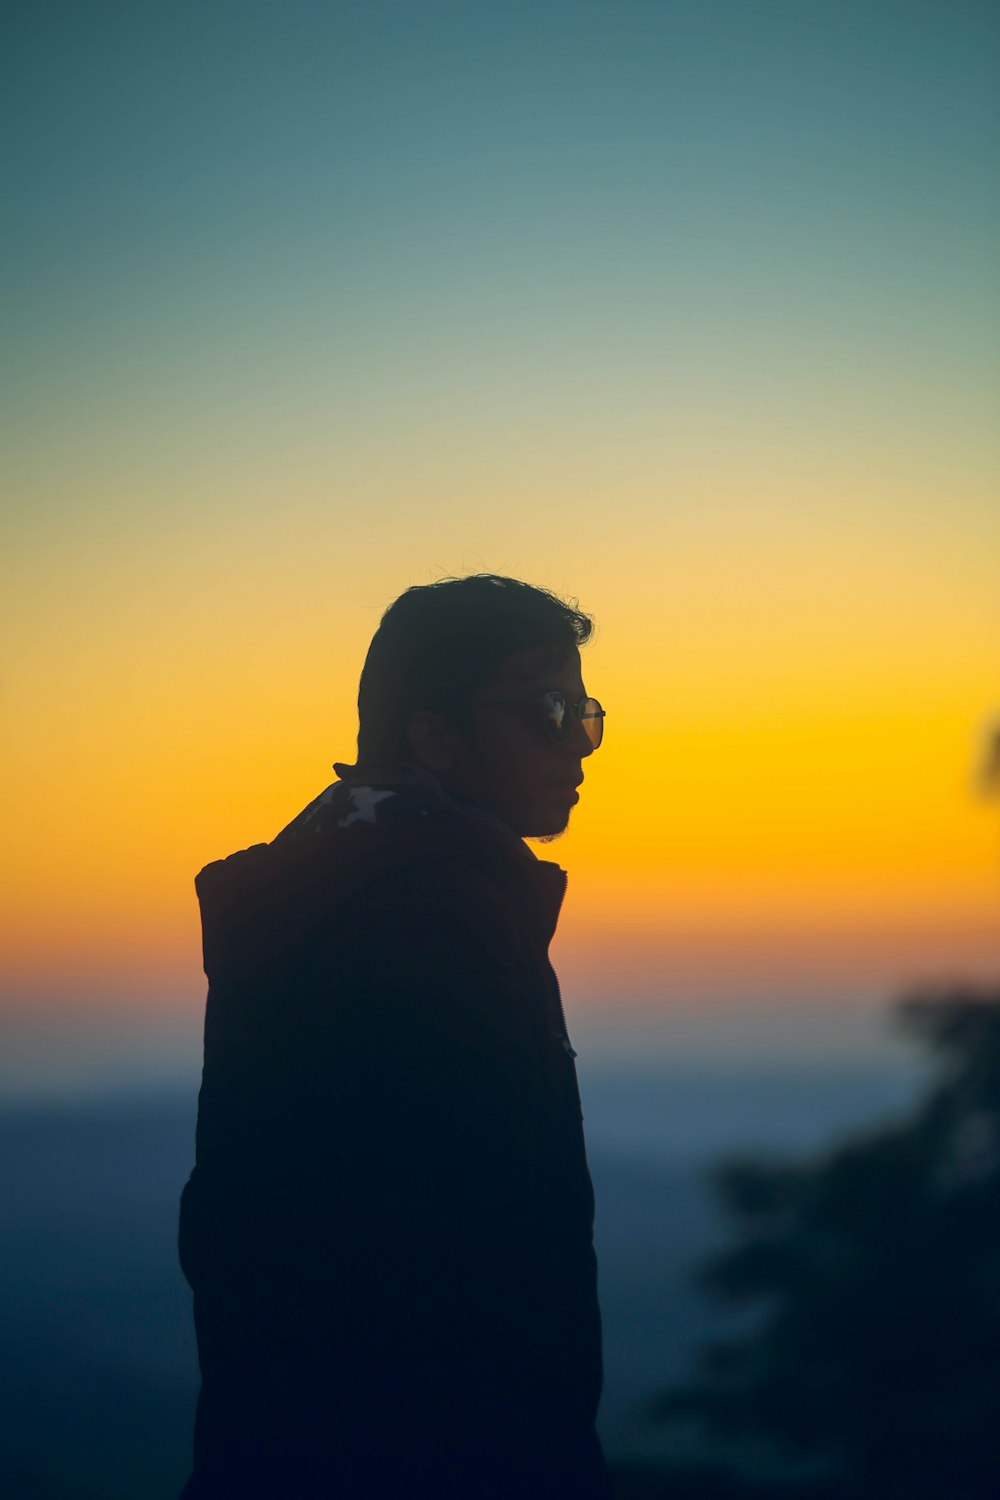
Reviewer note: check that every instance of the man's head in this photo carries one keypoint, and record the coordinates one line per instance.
(455, 681)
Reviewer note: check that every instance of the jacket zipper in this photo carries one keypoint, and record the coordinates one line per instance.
(564, 1035)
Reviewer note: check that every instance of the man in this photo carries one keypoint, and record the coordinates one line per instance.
(388, 1229)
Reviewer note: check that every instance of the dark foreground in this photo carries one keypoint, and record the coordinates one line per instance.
(98, 1374)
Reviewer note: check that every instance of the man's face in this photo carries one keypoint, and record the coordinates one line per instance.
(511, 766)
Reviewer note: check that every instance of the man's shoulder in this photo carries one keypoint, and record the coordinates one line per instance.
(441, 896)
(369, 859)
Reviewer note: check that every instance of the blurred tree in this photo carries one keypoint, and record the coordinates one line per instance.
(872, 1283)
(989, 768)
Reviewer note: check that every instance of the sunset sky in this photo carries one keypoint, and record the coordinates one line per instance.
(690, 311)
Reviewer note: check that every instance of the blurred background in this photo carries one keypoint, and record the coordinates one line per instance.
(688, 311)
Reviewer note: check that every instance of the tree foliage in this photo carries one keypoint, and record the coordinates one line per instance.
(873, 1276)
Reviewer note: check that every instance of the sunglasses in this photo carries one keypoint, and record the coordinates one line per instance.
(558, 716)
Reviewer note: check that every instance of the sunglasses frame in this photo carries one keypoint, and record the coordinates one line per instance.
(554, 734)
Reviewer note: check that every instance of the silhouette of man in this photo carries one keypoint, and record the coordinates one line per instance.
(388, 1229)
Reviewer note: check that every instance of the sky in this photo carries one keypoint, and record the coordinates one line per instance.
(688, 311)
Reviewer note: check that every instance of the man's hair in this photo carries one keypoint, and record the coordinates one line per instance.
(439, 642)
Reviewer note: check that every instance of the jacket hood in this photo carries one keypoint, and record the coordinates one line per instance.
(363, 829)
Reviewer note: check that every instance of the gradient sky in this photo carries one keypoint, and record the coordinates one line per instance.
(688, 310)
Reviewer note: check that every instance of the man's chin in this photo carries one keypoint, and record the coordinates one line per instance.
(552, 828)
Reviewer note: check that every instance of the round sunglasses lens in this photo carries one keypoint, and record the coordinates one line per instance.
(555, 715)
(592, 719)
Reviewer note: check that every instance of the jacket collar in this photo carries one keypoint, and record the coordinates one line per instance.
(367, 825)
(538, 886)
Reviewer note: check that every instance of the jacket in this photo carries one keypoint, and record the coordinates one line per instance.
(389, 1226)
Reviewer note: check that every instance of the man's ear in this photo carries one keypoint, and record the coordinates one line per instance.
(435, 743)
